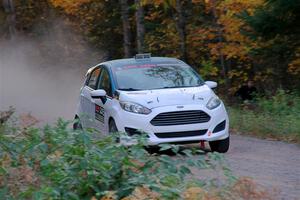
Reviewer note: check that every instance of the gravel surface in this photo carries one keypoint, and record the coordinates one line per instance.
(272, 164)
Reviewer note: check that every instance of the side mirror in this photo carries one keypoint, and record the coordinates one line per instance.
(98, 93)
(211, 84)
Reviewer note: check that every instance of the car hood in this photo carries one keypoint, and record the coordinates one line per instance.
(168, 97)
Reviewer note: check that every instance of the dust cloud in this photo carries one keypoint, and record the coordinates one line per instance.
(43, 75)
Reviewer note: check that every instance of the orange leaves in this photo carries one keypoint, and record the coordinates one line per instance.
(224, 35)
(294, 66)
(143, 193)
(69, 6)
(232, 26)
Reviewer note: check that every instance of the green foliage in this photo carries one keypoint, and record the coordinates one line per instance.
(276, 117)
(276, 29)
(275, 17)
(59, 163)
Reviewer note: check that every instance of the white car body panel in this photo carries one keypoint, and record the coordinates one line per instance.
(142, 122)
(159, 101)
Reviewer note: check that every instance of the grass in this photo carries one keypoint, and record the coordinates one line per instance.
(276, 118)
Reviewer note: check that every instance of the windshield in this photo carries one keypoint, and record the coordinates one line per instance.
(149, 76)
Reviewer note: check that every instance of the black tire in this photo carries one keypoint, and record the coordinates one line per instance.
(220, 146)
(77, 124)
(112, 127)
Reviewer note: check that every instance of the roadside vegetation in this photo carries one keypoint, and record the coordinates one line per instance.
(276, 117)
(59, 163)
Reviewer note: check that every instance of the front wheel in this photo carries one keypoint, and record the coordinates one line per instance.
(112, 126)
(220, 146)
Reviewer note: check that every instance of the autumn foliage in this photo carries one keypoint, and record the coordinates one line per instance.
(229, 41)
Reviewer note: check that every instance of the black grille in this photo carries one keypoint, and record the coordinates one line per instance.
(181, 134)
(180, 118)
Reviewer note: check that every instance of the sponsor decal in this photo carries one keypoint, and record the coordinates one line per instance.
(99, 113)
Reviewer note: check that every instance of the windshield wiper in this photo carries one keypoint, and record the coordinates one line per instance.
(128, 89)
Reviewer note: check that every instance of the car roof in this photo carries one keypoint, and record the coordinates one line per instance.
(133, 61)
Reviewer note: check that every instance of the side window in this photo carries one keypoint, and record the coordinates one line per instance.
(105, 82)
(92, 83)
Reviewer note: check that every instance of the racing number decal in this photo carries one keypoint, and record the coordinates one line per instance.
(99, 113)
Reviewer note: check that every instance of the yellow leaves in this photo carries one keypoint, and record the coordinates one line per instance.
(139, 193)
(232, 25)
(240, 74)
(208, 69)
(69, 6)
(194, 193)
(55, 156)
(235, 51)
(143, 193)
(225, 37)
(5, 161)
(110, 195)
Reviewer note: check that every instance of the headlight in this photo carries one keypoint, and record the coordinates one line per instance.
(135, 108)
(213, 103)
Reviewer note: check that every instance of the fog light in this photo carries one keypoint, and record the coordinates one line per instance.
(220, 127)
(133, 131)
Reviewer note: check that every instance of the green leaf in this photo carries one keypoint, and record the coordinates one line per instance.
(164, 147)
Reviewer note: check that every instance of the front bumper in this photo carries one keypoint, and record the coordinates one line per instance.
(142, 123)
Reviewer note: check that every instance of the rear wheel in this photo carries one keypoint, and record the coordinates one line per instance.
(220, 146)
(77, 124)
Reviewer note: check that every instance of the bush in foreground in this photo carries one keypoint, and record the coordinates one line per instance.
(59, 163)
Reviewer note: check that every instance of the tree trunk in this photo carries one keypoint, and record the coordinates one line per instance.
(9, 8)
(180, 20)
(140, 27)
(220, 40)
(126, 28)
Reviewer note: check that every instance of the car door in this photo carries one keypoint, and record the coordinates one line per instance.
(104, 104)
(88, 112)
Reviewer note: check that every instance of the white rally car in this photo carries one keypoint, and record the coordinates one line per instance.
(163, 97)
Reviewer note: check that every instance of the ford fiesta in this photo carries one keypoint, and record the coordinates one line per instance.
(163, 97)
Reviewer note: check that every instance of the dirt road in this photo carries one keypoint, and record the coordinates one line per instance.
(272, 164)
